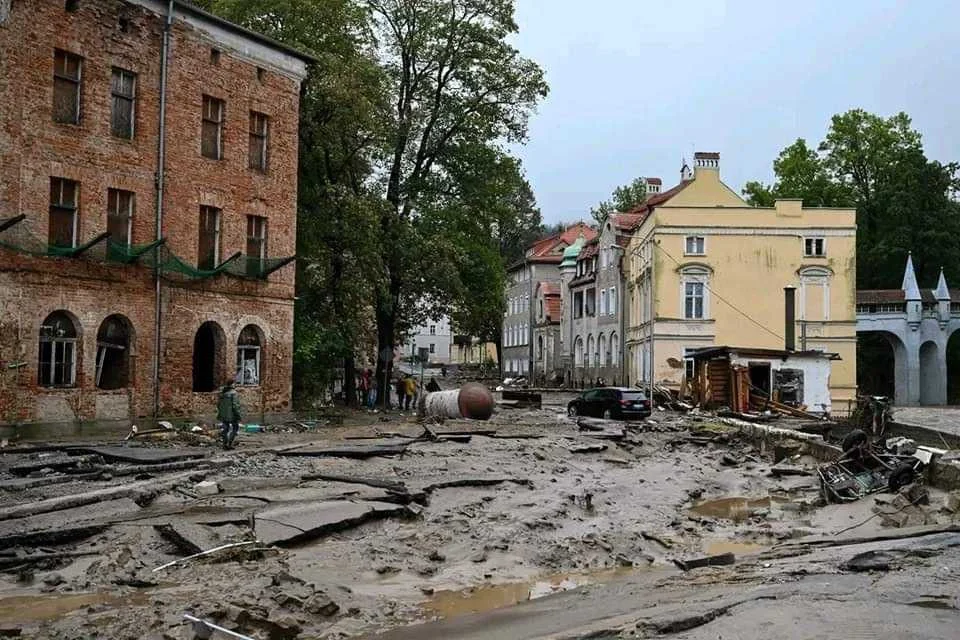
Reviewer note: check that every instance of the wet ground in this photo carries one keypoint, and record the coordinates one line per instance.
(527, 532)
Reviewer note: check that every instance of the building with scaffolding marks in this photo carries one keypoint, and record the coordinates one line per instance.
(148, 185)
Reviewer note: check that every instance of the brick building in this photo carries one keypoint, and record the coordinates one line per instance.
(148, 185)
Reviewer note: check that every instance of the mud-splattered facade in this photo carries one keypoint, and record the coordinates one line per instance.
(86, 330)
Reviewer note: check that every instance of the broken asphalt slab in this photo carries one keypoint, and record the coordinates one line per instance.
(143, 455)
(189, 537)
(64, 526)
(348, 451)
(293, 524)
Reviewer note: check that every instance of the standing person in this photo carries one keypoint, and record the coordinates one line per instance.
(228, 413)
(401, 389)
(432, 386)
(443, 370)
(364, 387)
(410, 391)
(372, 398)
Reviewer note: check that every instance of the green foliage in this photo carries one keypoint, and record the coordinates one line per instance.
(625, 198)
(408, 208)
(904, 201)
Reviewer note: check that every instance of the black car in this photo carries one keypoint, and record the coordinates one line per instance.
(610, 402)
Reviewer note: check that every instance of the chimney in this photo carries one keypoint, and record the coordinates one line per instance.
(654, 185)
(789, 318)
(706, 160)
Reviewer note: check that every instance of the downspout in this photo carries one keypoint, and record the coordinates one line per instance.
(653, 310)
(160, 178)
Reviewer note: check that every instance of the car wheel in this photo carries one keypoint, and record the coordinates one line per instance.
(572, 411)
(854, 440)
(903, 475)
(607, 414)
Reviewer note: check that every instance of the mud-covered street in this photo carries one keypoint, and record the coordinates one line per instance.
(367, 528)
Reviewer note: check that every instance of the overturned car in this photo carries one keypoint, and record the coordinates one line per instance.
(869, 467)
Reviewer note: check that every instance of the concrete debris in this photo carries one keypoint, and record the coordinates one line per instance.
(294, 524)
(349, 451)
(588, 448)
(708, 561)
(224, 547)
(207, 488)
(189, 537)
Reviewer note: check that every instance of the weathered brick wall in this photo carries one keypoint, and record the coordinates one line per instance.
(108, 33)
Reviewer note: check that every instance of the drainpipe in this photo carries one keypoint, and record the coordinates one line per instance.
(160, 178)
(653, 309)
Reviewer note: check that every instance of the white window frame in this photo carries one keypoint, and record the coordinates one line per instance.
(612, 300)
(242, 356)
(702, 240)
(691, 313)
(433, 329)
(814, 240)
(688, 363)
(695, 274)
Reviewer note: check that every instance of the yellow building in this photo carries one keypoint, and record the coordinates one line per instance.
(704, 268)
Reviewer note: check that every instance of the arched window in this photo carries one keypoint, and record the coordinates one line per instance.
(208, 357)
(614, 349)
(602, 351)
(695, 298)
(590, 353)
(578, 352)
(113, 353)
(57, 362)
(248, 355)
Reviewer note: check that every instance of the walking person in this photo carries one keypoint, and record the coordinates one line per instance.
(401, 389)
(364, 387)
(410, 392)
(228, 413)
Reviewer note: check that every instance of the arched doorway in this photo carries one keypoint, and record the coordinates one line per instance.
(208, 357)
(953, 368)
(881, 365)
(931, 380)
(114, 344)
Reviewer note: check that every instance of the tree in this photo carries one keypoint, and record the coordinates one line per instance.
(625, 198)
(453, 82)
(338, 205)
(801, 173)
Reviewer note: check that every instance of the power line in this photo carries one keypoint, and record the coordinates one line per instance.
(721, 298)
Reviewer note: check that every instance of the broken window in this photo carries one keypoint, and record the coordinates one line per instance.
(57, 362)
(113, 354)
(66, 87)
(248, 356)
(123, 87)
(256, 244)
(120, 215)
(693, 301)
(789, 386)
(211, 138)
(590, 302)
(259, 129)
(814, 247)
(62, 231)
(208, 252)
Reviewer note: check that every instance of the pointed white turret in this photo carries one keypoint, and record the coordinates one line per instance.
(911, 294)
(942, 294)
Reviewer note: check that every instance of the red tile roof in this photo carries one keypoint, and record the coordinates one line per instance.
(654, 181)
(641, 211)
(549, 249)
(895, 296)
(549, 288)
(626, 221)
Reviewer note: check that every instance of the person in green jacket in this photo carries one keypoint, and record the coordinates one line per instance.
(228, 413)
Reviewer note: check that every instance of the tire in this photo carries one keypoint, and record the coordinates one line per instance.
(900, 477)
(607, 414)
(853, 440)
(573, 411)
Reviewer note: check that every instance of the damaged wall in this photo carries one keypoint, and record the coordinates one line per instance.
(33, 149)
(816, 376)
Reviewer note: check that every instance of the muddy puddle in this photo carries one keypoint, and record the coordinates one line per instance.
(40, 608)
(737, 508)
(718, 547)
(449, 604)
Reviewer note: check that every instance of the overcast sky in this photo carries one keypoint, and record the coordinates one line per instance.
(636, 85)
